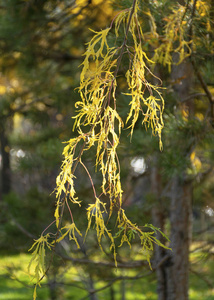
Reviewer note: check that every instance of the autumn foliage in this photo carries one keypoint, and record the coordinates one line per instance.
(99, 126)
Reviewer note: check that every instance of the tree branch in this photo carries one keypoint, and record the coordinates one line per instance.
(195, 95)
(22, 229)
(112, 281)
(204, 86)
(121, 265)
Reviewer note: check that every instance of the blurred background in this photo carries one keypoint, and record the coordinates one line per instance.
(41, 48)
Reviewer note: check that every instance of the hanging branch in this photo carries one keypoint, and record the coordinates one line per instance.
(97, 90)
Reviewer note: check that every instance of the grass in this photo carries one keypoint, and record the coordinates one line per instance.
(16, 284)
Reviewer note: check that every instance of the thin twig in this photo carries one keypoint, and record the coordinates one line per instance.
(48, 226)
(89, 175)
(72, 219)
(195, 95)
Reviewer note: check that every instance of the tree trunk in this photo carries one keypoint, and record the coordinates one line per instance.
(177, 267)
(158, 220)
(180, 219)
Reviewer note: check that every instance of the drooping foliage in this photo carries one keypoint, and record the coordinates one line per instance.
(98, 112)
(99, 124)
